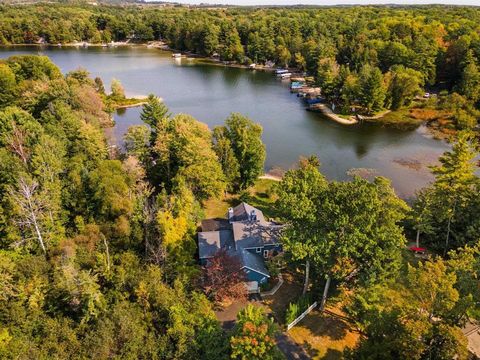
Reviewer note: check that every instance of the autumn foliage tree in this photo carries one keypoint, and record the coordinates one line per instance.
(223, 278)
(254, 336)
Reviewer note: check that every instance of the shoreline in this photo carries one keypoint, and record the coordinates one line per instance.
(150, 45)
(325, 110)
(127, 106)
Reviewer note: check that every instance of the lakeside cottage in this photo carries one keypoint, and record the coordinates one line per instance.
(246, 235)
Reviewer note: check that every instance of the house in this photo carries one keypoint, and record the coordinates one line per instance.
(244, 234)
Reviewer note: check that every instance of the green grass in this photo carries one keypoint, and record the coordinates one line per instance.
(398, 118)
(260, 196)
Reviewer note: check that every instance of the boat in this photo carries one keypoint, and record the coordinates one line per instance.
(285, 75)
(297, 85)
(298, 79)
(313, 101)
(177, 55)
(281, 71)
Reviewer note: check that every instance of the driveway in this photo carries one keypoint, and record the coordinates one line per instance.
(290, 349)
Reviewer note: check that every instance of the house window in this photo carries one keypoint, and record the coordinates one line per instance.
(259, 250)
(265, 253)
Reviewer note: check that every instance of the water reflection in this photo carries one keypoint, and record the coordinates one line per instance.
(210, 93)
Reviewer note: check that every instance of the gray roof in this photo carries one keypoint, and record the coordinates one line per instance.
(242, 212)
(249, 234)
(209, 242)
(253, 262)
(215, 225)
(243, 232)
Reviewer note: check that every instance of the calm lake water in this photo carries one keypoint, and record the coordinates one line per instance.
(210, 93)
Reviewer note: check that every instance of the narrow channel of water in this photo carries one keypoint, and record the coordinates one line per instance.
(210, 93)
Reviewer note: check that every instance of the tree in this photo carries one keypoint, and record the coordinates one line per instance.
(372, 88)
(254, 336)
(8, 85)
(117, 90)
(299, 61)
(346, 229)
(358, 224)
(99, 85)
(110, 194)
(433, 288)
(298, 195)
(451, 197)
(327, 77)
(183, 149)
(416, 325)
(469, 84)
(283, 55)
(223, 148)
(232, 48)
(33, 67)
(176, 221)
(465, 264)
(31, 209)
(153, 113)
(210, 39)
(137, 141)
(223, 278)
(248, 148)
(403, 86)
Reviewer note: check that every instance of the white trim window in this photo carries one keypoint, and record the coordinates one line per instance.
(265, 253)
(259, 250)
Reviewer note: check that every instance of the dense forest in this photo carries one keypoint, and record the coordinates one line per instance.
(98, 257)
(364, 58)
(97, 249)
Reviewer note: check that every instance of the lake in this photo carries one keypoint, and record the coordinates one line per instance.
(210, 93)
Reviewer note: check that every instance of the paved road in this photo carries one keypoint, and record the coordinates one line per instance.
(290, 349)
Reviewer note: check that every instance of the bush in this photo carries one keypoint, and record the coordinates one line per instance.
(297, 308)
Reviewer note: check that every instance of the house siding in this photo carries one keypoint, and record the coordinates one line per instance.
(254, 250)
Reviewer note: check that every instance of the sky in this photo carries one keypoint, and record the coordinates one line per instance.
(329, 2)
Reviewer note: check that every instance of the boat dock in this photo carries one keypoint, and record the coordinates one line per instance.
(305, 88)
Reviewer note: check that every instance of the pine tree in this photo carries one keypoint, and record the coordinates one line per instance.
(153, 113)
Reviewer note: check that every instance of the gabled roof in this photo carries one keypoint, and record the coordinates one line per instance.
(242, 212)
(215, 225)
(209, 242)
(253, 262)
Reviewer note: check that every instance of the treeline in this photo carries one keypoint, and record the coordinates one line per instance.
(97, 250)
(348, 49)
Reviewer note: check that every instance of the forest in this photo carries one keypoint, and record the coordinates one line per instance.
(98, 253)
(366, 59)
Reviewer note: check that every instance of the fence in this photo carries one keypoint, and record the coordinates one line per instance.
(275, 288)
(295, 322)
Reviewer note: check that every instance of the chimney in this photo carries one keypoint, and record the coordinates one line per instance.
(253, 216)
(230, 215)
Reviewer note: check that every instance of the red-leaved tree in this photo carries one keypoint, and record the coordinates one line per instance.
(223, 278)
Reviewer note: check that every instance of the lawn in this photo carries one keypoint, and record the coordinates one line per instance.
(289, 292)
(259, 196)
(325, 336)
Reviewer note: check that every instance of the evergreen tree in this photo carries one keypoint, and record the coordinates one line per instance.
(444, 208)
(154, 112)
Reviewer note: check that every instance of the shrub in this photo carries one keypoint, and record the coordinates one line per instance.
(297, 308)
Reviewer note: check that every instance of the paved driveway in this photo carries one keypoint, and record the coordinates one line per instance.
(290, 349)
